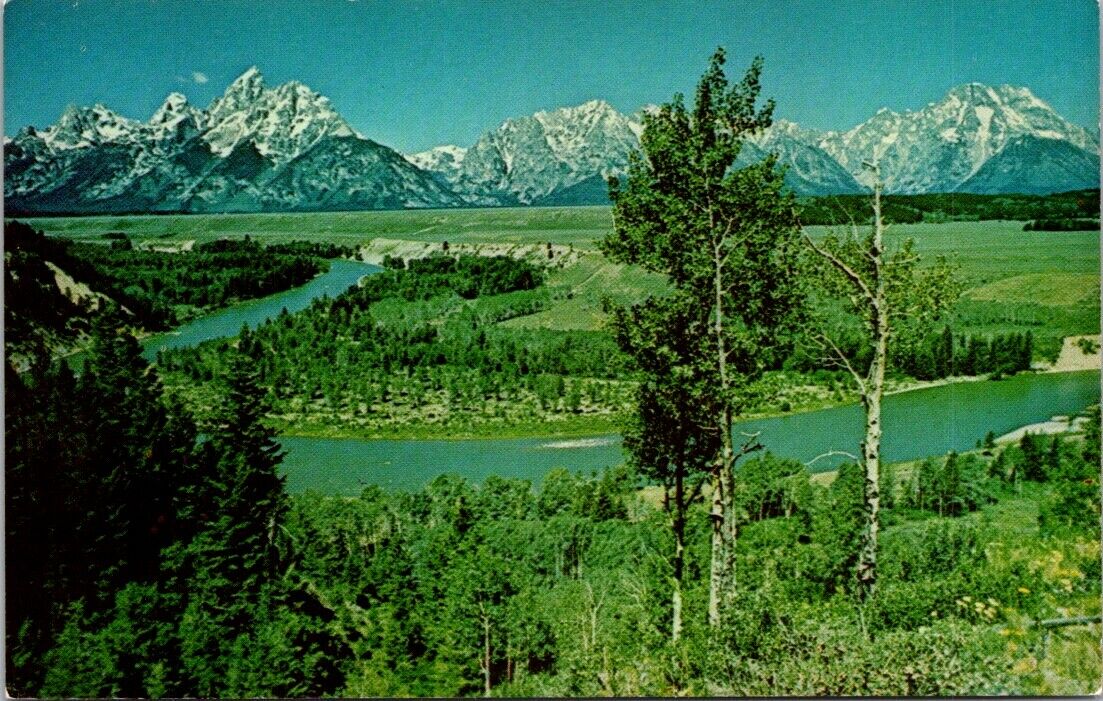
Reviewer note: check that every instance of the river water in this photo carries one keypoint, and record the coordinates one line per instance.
(342, 274)
(916, 424)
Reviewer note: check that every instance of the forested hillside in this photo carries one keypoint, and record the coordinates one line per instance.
(57, 285)
(154, 557)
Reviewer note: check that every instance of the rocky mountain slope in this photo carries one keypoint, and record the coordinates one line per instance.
(253, 149)
(941, 147)
(976, 139)
(286, 148)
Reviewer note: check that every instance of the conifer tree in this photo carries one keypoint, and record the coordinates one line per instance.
(1033, 464)
(251, 500)
(234, 560)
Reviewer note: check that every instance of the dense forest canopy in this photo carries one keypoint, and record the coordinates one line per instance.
(152, 557)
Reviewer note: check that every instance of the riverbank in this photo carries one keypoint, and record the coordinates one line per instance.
(566, 428)
(916, 425)
(1078, 353)
(559, 425)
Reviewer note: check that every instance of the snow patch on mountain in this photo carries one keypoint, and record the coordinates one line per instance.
(943, 145)
(260, 148)
(254, 148)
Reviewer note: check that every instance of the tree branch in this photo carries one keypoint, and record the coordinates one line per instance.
(749, 446)
(843, 268)
(843, 360)
(829, 453)
(695, 492)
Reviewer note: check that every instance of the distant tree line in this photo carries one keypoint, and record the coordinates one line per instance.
(939, 207)
(1062, 225)
(933, 356)
(947, 354)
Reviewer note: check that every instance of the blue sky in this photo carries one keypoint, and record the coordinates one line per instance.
(417, 73)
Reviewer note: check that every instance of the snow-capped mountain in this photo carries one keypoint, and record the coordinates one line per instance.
(442, 159)
(286, 148)
(941, 147)
(529, 158)
(809, 169)
(564, 157)
(254, 148)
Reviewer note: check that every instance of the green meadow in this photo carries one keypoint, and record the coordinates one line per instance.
(1015, 280)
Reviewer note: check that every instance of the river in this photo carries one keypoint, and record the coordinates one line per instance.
(342, 274)
(919, 423)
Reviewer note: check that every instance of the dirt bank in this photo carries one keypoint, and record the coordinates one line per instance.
(1073, 357)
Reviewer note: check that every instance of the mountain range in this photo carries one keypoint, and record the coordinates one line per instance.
(286, 148)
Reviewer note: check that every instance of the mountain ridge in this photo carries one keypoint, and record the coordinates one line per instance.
(238, 154)
(286, 148)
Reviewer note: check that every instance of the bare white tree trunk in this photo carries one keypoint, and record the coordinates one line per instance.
(875, 388)
(871, 386)
(679, 528)
(722, 574)
(486, 650)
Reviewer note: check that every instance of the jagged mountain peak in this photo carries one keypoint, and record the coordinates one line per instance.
(941, 146)
(784, 126)
(283, 122)
(254, 148)
(250, 81)
(439, 158)
(286, 147)
(583, 110)
(173, 111)
(529, 158)
(81, 127)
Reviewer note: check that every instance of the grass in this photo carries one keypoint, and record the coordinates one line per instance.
(987, 251)
(1046, 289)
(587, 284)
(1015, 281)
(993, 250)
(1044, 282)
(577, 226)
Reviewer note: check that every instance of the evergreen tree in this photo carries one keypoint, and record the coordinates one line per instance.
(997, 469)
(252, 502)
(888, 486)
(949, 486)
(1032, 465)
(1090, 452)
(234, 560)
(989, 441)
(1053, 458)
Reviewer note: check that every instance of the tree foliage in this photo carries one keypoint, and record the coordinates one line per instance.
(725, 239)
